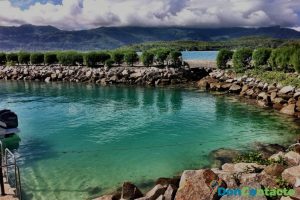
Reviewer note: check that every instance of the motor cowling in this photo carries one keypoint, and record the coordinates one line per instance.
(8, 119)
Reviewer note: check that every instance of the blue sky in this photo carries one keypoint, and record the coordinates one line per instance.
(86, 14)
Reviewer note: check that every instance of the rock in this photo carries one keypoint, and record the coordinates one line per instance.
(47, 80)
(286, 89)
(125, 72)
(292, 175)
(106, 197)
(114, 78)
(161, 197)
(277, 106)
(235, 88)
(277, 156)
(296, 95)
(168, 181)
(228, 177)
(246, 178)
(170, 193)
(199, 185)
(267, 180)
(274, 170)
(224, 155)
(263, 96)
(289, 109)
(268, 150)
(292, 158)
(130, 191)
(135, 75)
(279, 100)
(242, 167)
(157, 191)
(273, 96)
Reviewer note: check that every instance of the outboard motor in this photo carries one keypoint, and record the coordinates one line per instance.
(8, 119)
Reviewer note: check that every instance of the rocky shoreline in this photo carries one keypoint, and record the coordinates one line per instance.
(282, 171)
(285, 99)
(280, 168)
(152, 76)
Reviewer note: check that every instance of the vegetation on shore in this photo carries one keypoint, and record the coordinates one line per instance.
(156, 56)
(277, 65)
(183, 45)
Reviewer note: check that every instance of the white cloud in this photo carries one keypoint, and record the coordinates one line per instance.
(83, 14)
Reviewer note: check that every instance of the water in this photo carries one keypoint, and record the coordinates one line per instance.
(80, 141)
(199, 55)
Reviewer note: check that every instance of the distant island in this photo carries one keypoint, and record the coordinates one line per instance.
(37, 38)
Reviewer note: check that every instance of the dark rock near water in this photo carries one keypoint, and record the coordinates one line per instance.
(130, 191)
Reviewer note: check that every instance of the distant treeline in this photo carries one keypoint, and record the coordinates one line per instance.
(157, 56)
(285, 58)
(249, 42)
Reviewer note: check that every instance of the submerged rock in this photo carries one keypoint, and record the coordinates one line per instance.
(130, 191)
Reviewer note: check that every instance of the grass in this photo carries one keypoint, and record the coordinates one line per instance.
(275, 77)
(256, 157)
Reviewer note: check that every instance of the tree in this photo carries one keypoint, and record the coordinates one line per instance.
(161, 55)
(272, 59)
(50, 58)
(147, 58)
(295, 60)
(36, 58)
(12, 58)
(223, 57)
(118, 57)
(2, 58)
(109, 62)
(103, 56)
(131, 57)
(283, 58)
(91, 59)
(242, 59)
(23, 57)
(69, 58)
(175, 57)
(261, 56)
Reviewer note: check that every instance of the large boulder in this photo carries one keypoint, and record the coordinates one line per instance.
(286, 89)
(170, 193)
(292, 158)
(130, 191)
(227, 176)
(274, 169)
(289, 109)
(235, 88)
(199, 185)
(292, 175)
(223, 155)
(242, 167)
(157, 191)
(106, 197)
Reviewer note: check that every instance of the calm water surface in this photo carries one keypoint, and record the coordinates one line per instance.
(79, 141)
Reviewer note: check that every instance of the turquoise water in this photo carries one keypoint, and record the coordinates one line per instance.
(79, 141)
(199, 55)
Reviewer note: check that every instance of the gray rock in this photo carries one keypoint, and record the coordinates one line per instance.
(287, 89)
(47, 80)
(170, 193)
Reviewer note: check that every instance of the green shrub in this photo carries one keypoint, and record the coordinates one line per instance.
(103, 57)
(272, 59)
(242, 59)
(118, 57)
(12, 58)
(161, 55)
(2, 58)
(261, 56)
(50, 58)
(223, 57)
(147, 58)
(283, 58)
(68, 58)
(91, 59)
(109, 62)
(175, 57)
(23, 57)
(131, 57)
(295, 60)
(36, 58)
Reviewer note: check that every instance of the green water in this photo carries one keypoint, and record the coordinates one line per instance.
(79, 141)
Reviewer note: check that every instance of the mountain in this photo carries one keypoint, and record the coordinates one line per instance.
(29, 37)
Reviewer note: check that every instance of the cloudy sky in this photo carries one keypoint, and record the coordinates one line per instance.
(86, 14)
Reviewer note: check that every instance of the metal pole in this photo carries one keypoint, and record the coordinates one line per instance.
(1, 175)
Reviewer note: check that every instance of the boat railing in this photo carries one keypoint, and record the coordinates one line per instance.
(11, 171)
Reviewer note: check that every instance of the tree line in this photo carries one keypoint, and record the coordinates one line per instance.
(285, 58)
(155, 56)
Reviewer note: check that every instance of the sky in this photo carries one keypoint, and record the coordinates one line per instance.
(87, 14)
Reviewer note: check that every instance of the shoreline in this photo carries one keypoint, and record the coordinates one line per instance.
(219, 81)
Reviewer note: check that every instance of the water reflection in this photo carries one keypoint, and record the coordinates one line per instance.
(162, 100)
